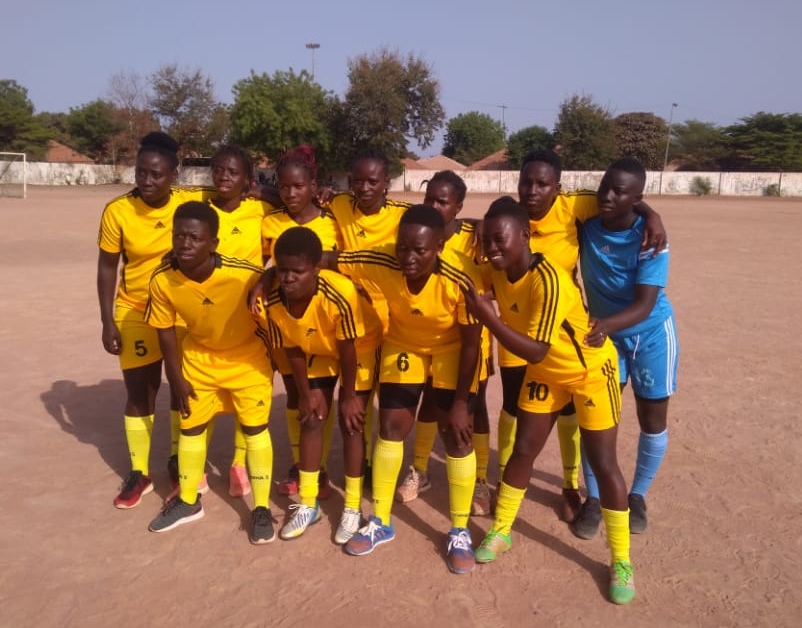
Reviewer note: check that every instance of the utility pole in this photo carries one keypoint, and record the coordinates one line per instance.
(668, 137)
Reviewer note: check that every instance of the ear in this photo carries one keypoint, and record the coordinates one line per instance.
(559, 187)
(639, 198)
(440, 244)
(215, 242)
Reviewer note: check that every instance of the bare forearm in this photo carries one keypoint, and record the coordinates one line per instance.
(168, 342)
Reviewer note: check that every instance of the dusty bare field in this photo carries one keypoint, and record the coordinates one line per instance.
(724, 546)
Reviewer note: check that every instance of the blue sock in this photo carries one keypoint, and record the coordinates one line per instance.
(590, 479)
(651, 449)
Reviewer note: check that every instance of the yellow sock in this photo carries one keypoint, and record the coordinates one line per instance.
(568, 434)
(481, 445)
(175, 431)
(507, 505)
(425, 433)
(328, 435)
(307, 487)
(191, 462)
(506, 439)
(138, 432)
(616, 524)
(461, 478)
(387, 459)
(240, 448)
(259, 456)
(353, 493)
(294, 434)
(367, 433)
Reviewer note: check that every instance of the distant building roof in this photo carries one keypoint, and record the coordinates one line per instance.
(62, 154)
(495, 161)
(441, 162)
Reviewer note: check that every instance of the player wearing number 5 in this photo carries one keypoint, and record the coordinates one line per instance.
(541, 319)
(430, 335)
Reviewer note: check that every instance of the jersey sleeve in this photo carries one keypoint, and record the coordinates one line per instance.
(346, 310)
(365, 265)
(550, 302)
(159, 311)
(652, 269)
(110, 236)
(585, 206)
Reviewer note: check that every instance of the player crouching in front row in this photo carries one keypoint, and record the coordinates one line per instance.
(222, 366)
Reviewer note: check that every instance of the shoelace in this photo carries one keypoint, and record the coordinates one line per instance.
(262, 516)
(349, 518)
(302, 513)
(130, 483)
(370, 530)
(460, 541)
(623, 573)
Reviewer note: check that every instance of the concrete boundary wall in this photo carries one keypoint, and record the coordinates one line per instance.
(478, 182)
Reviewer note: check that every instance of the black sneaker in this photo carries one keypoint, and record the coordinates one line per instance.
(586, 525)
(175, 513)
(637, 514)
(262, 530)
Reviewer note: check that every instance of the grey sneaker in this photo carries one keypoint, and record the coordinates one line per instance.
(350, 523)
(637, 514)
(262, 530)
(586, 525)
(176, 513)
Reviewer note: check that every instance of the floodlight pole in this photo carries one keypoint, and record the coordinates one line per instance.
(313, 46)
(668, 137)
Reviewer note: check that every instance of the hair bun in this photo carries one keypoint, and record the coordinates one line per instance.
(159, 139)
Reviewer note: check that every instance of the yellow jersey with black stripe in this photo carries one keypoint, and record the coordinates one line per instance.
(278, 221)
(361, 231)
(335, 312)
(142, 235)
(546, 305)
(240, 233)
(427, 322)
(215, 311)
(556, 235)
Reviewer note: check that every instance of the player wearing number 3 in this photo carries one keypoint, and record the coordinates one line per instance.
(541, 319)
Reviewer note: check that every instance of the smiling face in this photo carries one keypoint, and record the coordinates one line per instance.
(229, 177)
(296, 188)
(618, 193)
(154, 175)
(193, 245)
(537, 188)
(297, 276)
(443, 197)
(505, 243)
(369, 182)
(416, 249)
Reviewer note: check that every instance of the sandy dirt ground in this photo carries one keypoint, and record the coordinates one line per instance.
(724, 545)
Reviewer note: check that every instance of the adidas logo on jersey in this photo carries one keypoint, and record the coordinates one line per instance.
(159, 225)
(416, 312)
(310, 331)
(260, 404)
(589, 404)
(207, 301)
(514, 307)
(235, 231)
(605, 249)
(361, 234)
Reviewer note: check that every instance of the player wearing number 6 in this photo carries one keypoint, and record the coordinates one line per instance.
(430, 335)
(541, 319)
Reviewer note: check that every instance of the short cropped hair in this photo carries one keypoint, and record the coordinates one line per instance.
(300, 242)
(373, 154)
(454, 180)
(423, 215)
(632, 166)
(161, 143)
(546, 156)
(227, 151)
(202, 212)
(507, 206)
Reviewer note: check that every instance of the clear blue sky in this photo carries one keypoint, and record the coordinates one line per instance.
(718, 60)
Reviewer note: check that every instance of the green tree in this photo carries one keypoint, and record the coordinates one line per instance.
(183, 101)
(585, 134)
(642, 135)
(390, 99)
(20, 130)
(525, 141)
(472, 136)
(699, 145)
(91, 128)
(271, 114)
(768, 141)
(127, 91)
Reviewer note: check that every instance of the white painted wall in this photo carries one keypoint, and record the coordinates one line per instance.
(487, 182)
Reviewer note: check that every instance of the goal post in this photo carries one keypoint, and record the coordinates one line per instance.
(13, 175)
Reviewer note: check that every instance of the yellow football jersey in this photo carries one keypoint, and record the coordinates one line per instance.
(336, 312)
(463, 240)
(546, 305)
(278, 221)
(366, 232)
(556, 235)
(240, 233)
(427, 322)
(215, 311)
(142, 235)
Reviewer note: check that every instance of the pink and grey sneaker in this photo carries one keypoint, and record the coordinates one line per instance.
(135, 486)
